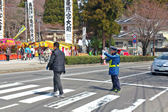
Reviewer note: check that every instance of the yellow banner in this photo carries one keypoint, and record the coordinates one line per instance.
(20, 31)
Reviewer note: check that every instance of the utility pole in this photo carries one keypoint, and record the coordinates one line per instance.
(26, 20)
(153, 46)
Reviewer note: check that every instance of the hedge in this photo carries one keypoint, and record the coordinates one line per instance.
(72, 60)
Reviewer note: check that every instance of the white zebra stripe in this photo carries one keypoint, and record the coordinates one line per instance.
(42, 97)
(1, 108)
(131, 108)
(17, 88)
(17, 95)
(10, 85)
(96, 104)
(69, 100)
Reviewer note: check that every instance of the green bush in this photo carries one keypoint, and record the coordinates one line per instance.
(72, 60)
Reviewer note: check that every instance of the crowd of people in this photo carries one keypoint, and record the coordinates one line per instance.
(27, 52)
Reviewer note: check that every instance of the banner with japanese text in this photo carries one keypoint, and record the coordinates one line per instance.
(68, 21)
(2, 18)
(31, 19)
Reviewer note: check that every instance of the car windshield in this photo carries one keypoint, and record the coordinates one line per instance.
(163, 57)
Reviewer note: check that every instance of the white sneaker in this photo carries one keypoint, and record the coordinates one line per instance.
(54, 93)
(61, 96)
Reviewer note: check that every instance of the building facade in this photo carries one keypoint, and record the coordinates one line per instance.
(125, 40)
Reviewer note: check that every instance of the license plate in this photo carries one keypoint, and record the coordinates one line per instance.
(162, 69)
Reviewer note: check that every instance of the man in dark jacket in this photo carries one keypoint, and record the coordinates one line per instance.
(57, 64)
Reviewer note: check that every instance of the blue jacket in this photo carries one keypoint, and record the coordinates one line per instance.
(27, 49)
(114, 63)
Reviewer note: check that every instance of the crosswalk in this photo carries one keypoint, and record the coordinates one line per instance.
(32, 93)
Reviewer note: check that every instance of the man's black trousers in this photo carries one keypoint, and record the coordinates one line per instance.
(57, 82)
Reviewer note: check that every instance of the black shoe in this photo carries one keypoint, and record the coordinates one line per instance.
(118, 91)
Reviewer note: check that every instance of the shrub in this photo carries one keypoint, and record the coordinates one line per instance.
(72, 60)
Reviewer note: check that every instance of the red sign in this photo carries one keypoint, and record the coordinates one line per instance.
(18, 43)
(134, 36)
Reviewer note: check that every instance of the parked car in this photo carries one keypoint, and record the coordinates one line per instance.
(160, 64)
(123, 52)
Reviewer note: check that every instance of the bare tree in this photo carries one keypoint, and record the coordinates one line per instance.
(150, 17)
(14, 19)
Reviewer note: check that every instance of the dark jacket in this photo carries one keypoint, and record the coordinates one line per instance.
(57, 61)
(22, 51)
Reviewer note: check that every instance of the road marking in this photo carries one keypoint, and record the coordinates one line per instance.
(134, 66)
(66, 68)
(36, 79)
(131, 108)
(9, 85)
(72, 74)
(87, 80)
(129, 76)
(63, 75)
(17, 88)
(96, 104)
(69, 100)
(1, 108)
(133, 75)
(151, 99)
(17, 95)
(140, 85)
(42, 97)
(3, 82)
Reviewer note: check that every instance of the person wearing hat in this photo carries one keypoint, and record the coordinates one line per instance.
(114, 68)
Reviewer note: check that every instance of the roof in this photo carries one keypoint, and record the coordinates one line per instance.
(128, 20)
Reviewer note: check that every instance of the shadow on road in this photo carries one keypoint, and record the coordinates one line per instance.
(95, 87)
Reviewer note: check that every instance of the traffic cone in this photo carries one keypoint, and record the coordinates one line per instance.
(104, 63)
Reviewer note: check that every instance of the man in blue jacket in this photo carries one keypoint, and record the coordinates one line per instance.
(114, 68)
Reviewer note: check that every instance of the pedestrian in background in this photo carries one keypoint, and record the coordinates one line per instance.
(114, 68)
(39, 52)
(32, 52)
(27, 52)
(90, 53)
(8, 53)
(22, 53)
(18, 52)
(57, 64)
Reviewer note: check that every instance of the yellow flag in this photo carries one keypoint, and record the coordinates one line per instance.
(20, 31)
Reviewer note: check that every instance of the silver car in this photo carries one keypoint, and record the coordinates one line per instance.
(160, 64)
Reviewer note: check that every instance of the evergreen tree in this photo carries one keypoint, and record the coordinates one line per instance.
(101, 15)
(54, 12)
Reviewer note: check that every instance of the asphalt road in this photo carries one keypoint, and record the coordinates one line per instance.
(86, 89)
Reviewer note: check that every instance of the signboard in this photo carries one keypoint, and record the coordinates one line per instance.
(134, 36)
(31, 19)
(68, 21)
(7, 42)
(134, 41)
(2, 18)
